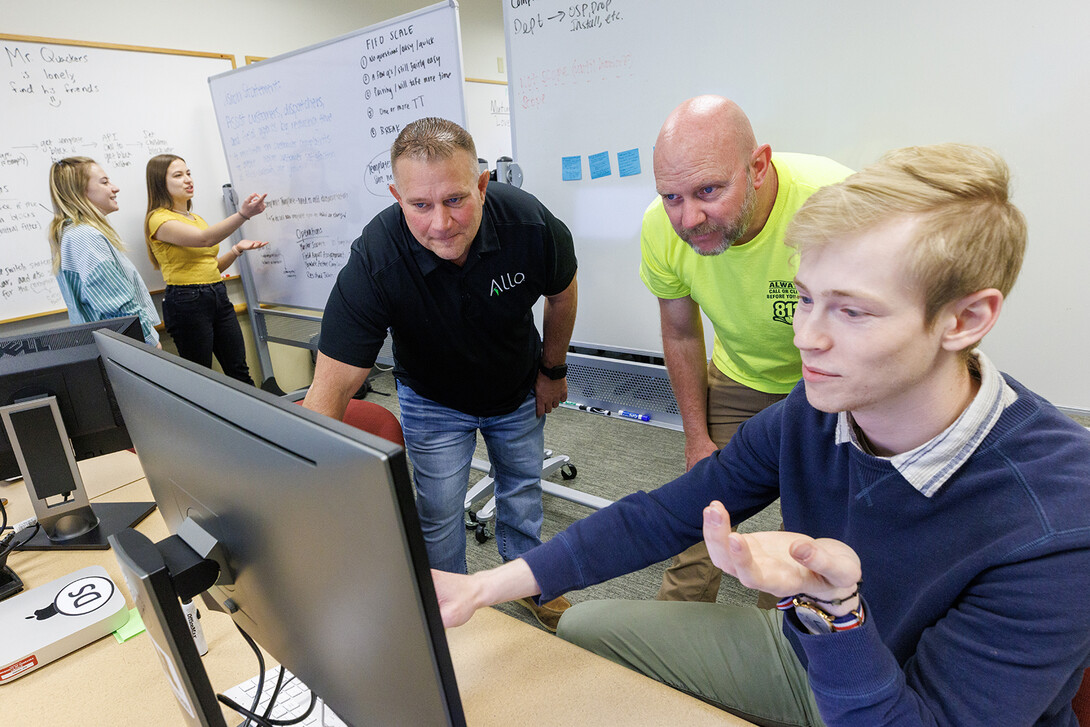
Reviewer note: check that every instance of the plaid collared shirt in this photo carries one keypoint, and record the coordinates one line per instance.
(929, 466)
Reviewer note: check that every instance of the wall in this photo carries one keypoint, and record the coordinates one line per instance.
(248, 27)
(242, 28)
(847, 80)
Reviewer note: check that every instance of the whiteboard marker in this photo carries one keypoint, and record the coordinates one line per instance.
(591, 409)
(192, 616)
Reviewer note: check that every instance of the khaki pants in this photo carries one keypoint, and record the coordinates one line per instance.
(692, 576)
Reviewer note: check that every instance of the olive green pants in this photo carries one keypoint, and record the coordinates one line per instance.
(735, 657)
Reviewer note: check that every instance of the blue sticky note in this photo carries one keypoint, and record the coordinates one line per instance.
(599, 165)
(571, 168)
(628, 162)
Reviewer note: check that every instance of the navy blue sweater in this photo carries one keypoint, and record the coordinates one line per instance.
(976, 598)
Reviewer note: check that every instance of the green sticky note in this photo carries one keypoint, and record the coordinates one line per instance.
(133, 627)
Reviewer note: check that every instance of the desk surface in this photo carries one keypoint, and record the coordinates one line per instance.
(508, 672)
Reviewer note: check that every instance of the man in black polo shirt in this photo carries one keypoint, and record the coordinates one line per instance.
(453, 274)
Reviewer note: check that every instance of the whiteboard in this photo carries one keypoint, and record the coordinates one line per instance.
(119, 105)
(488, 119)
(848, 80)
(312, 129)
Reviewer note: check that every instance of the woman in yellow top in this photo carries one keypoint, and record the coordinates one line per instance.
(197, 313)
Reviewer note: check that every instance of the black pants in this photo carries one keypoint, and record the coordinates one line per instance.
(201, 320)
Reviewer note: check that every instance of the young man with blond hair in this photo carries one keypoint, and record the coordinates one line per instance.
(936, 550)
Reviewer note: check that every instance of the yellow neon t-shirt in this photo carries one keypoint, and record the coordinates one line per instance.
(746, 292)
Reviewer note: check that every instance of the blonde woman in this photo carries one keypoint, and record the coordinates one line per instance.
(96, 280)
(197, 312)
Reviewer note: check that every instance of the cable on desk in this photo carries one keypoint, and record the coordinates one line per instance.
(261, 721)
(250, 714)
(7, 544)
(260, 684)
(275, 693)
(10, 583)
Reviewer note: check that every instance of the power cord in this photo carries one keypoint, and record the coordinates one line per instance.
(251, 713)
(7, 543)
(275, 693)
(10, 583)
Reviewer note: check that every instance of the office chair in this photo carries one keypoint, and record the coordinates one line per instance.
(371, 418)
(374, 419)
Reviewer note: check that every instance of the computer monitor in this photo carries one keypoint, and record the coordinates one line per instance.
(57, 408)
(314, 526)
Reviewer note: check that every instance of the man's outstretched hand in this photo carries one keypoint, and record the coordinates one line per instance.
(782, 563)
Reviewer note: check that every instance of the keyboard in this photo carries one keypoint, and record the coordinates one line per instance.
(293, 700)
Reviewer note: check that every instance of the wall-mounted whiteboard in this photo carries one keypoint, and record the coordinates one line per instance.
(312, 129)
(488, 119)
(119, 105)
(591, 84)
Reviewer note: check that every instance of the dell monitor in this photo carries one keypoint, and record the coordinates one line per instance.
(314, 529)
(57, 408)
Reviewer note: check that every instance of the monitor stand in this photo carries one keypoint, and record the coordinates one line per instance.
(48, 464)
(113, 517)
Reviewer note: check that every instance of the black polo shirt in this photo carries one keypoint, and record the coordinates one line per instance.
(463, 336)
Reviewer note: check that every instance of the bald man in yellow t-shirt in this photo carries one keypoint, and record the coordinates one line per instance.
(712, 241)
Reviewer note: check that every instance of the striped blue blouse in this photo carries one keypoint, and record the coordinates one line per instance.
(98, 282)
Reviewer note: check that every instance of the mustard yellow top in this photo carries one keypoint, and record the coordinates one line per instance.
(183, 265)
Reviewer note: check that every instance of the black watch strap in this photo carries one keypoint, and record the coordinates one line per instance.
(554, 372)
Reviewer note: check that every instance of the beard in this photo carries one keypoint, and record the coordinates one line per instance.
(731, 232)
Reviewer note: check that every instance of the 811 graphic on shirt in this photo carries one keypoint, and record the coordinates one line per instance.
(784, 298)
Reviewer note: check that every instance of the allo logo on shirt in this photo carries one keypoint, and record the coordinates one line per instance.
(505, 282)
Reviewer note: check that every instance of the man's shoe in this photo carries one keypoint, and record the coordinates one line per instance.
(547, 614)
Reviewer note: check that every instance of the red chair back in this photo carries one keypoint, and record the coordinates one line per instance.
(1081, 702)
(374, 419)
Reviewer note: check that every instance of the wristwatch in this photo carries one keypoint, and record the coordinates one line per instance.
(555, 372)
(817, 621)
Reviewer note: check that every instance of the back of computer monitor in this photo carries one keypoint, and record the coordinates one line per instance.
(325, 562)
(63, 362)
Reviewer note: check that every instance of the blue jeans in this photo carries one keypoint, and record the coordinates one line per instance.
(201, 319)
(440, 443)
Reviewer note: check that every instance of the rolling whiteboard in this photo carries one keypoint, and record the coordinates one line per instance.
(312, 129)
(119, 105)
(488, 119)
(593, 83)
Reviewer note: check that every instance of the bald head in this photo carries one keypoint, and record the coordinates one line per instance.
(711, 174)
(706, 122)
